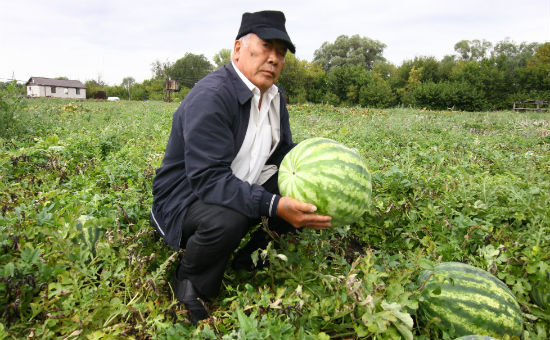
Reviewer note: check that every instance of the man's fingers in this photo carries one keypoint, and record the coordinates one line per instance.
(301, 214)
(316, 221)
(306, 207)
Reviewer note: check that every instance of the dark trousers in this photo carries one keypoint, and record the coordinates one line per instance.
(210, 235)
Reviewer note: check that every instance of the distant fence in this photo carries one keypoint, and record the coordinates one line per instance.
(532, 105)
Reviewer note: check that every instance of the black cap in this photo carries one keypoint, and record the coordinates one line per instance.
(266, 25)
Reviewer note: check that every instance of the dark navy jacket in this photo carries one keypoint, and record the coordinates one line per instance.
(208, 130)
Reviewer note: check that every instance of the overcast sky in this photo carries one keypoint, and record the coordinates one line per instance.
(112, 39)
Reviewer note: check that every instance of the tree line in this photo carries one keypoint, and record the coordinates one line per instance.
(352, 71)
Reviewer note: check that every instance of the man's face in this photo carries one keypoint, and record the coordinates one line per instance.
(261, 61)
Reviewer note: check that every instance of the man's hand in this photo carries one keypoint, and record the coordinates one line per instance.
(300, 214)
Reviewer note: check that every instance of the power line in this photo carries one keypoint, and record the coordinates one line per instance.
(11, 79)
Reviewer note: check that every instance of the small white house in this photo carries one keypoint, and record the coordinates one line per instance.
(57, 88)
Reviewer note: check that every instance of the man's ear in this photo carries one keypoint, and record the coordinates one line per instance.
(236, 50)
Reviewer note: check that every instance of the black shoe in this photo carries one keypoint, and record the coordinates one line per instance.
(191, 299)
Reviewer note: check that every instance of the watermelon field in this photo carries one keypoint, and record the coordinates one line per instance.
(79, 258)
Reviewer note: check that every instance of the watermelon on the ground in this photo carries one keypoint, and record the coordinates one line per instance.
(469, 300)
(329, 175)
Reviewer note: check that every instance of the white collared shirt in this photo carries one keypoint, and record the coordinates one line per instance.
(262, 135)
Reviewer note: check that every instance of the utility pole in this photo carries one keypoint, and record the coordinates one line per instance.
(128, 84)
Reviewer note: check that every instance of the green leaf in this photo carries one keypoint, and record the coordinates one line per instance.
(255, 256)
(323, 336)
(405, 330)
(30, 255)
(3, 332)
(246, 324)
(8, 270)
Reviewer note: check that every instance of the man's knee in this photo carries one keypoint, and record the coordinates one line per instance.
(227, 227)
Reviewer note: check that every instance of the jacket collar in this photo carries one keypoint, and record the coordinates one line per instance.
(243, 92)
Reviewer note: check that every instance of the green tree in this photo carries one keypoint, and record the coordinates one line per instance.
(511, 59)
(139, 92)
(376, 92)
(354, 50)
(154, 88)
(414, 80)
(534, 78)
(384, 69)
(345, 82)
(446, 67)
(161, 69)
(190, 69)
(472, 49)
(512, 55)
(430, 68)
(486, 78)
(128, 83)
(116, 91)
(294, 79)
(447, 95)
(316, 83)
(11, 105)
(92, 87)
(222, 57)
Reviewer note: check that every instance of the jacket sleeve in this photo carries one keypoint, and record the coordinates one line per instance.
(208, 126)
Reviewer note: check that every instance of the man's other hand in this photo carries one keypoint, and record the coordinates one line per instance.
(301, 214)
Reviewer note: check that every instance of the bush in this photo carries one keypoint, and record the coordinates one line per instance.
(448, 95)
(331, 98)
(376, 92)
(11, 103)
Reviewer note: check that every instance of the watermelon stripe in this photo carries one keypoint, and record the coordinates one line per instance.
(477, 303)
(330, 164)
(307, 182)
(462, 320)
(320, 141)
(341, 153)
(474, 284)
(316, 200)
(458, 325)
(464, 268)
(480, 291)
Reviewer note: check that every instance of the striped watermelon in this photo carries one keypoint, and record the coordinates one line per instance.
(469, 300)
(329, 175)
(476, 337)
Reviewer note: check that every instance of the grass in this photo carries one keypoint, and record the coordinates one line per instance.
(79, 258)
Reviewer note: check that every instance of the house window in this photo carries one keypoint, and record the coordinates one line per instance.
(77, 91)
(52, 89)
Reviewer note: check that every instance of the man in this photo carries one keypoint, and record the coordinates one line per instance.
(219, 172)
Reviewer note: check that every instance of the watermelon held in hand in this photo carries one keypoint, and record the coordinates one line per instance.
(329, 175)
(469, 300)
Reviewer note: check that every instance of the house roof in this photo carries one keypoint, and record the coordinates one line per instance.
(55, 82)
